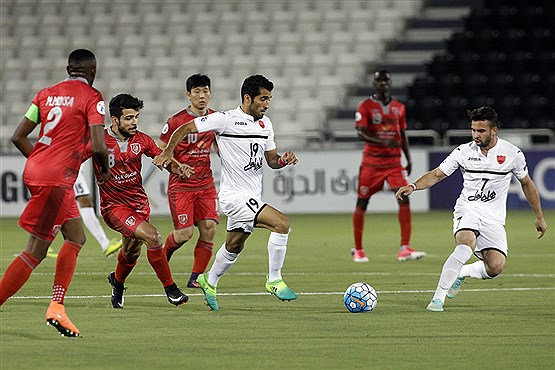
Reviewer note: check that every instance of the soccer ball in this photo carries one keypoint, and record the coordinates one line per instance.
(360, 297)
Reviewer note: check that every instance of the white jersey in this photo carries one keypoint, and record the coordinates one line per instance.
(486, 178)
(242, 142)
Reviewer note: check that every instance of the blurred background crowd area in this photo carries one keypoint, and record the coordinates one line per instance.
(445, 56)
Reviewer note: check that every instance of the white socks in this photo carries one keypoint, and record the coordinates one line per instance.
(451, 269)
(222, 263)
(475, 270)
(93, 225)
(277, 246)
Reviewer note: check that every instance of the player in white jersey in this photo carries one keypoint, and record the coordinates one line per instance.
(487, 164)
(245, 138)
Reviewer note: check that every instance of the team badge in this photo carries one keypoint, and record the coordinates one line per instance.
(364, 190)
(183, 218)
(261, 123)
(136, 148)
(395, 111)
(501, 159)
(100, 108)
(56, 229)
(376, 117)
(130, 221)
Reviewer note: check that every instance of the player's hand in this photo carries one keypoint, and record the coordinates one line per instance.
(105, 176)
(186, 171)
(390, 143)
(541, 226)
(289, 158)
(162, 160)
(404, 191)
(408, 168)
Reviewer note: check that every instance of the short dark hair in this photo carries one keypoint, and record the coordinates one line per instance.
(252, 85)
(484, 113)
(81, 60)
(380, 72)
(124, 101)
(197, 80)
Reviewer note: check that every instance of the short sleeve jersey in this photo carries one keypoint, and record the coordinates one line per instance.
(384, 121)
(194, 150)
(65, 112)
(486, 179)
(242, 142)
(125, 186)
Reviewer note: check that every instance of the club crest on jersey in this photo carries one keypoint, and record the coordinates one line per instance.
(376, 117)
(56, 229)
(364, 190)
(183, 218)
(261, 123)
(136, 148)
(501, 159)
(395, 111)
(100, 108)
(130, 221)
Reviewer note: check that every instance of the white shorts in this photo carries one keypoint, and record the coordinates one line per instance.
(80, 187)
(241, 210)
(490, 236)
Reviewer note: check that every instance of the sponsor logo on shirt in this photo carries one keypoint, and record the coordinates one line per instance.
(474, 159)
(240, 123)
(136, 148)
(501, 159)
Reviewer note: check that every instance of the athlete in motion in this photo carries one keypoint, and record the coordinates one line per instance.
(124, 203)
(71, 116)
(245, 138)
(487, 164)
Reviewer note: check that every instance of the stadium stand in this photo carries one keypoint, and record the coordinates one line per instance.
(319, 54)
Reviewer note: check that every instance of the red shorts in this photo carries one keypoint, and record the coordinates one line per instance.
(372, 179)
(124, 219)
(48, 210)
(190, 207)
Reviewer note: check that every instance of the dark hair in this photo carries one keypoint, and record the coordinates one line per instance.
(197, 80)
(124, 101)
(380, 72)
(484, 113)
(80, 61)
(252, 85)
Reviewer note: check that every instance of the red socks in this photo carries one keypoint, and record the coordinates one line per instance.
(203, 253)
(358, 226)
(16, 275)
(65, 267)
(171, 246)
(124, 267)
(157, 259)
(405, 223)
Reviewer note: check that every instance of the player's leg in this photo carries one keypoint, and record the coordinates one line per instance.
(157, 259)
(127, 259)
(466, 241)
(278, 224)
(203, 250)
(181, 206)
(176, 239)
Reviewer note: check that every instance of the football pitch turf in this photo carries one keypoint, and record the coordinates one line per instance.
(505, 323)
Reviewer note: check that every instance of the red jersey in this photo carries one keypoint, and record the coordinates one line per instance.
(383, 121)
(125, 187)
(66, 110)
(194, 150)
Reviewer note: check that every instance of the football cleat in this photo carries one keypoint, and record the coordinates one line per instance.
(358, 255)
(117, 290)
(209, 292)
(193, 283)
(175, 296)
(114, 246)
(436, 305)
(51, 253)
(56, 316)
(408, 254)
(280, 290)
(455, 288)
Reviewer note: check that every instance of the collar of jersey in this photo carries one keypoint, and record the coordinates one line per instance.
(82, 79)
(240, 110)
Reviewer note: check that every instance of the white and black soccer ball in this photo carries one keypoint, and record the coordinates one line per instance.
(360, 297)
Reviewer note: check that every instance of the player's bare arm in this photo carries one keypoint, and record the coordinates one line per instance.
(531, 193)
(405, 148)
(425, 181)
(364, 135)
(164, 159)
(277, 161)
(183, 170)
(100, 151)
(20, 137)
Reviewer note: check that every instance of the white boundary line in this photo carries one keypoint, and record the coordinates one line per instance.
(244, 294)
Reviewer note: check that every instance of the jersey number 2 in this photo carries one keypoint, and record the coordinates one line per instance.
(52, 119)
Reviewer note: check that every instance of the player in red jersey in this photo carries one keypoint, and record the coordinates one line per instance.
(71, 115)
(124, 203)
(193, 200)
(381, 124)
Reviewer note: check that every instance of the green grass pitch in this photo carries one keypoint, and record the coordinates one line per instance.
(505, 323)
